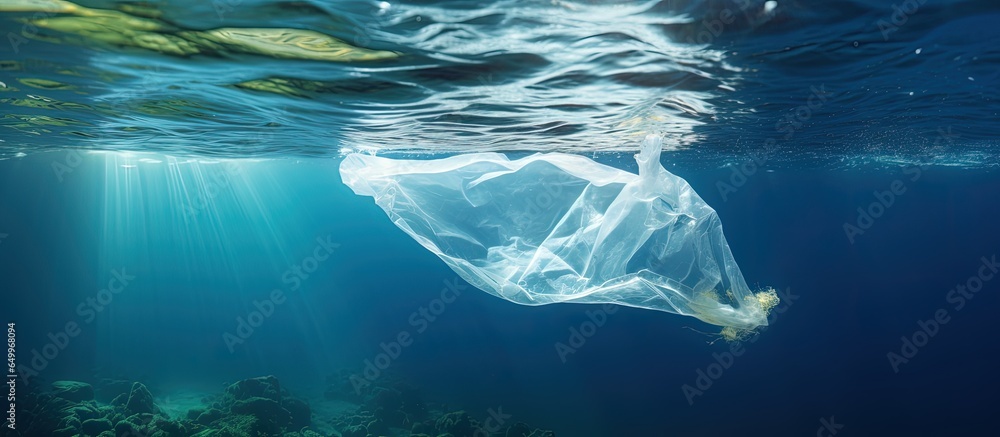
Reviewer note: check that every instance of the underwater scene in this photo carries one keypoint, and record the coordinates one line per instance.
(472, 218)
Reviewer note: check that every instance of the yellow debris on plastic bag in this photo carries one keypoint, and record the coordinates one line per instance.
(766, 300)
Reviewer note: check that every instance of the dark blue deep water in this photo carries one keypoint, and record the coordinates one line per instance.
(173, 221)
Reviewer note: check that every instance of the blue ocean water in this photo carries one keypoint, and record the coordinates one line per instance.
(178, 220)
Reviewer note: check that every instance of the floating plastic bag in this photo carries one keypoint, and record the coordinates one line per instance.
(555, 227)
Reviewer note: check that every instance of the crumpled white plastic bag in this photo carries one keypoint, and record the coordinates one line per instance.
(555, 227)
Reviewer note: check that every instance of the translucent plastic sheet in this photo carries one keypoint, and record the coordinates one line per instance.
(556, 227)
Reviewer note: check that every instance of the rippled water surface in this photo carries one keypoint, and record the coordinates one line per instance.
(795, 82)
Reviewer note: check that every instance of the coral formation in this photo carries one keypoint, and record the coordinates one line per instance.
(253, 407)
(389, 407)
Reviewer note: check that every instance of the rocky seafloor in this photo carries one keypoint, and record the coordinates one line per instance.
(251, 407)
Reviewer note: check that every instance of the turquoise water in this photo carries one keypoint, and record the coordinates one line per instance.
(172, 215)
